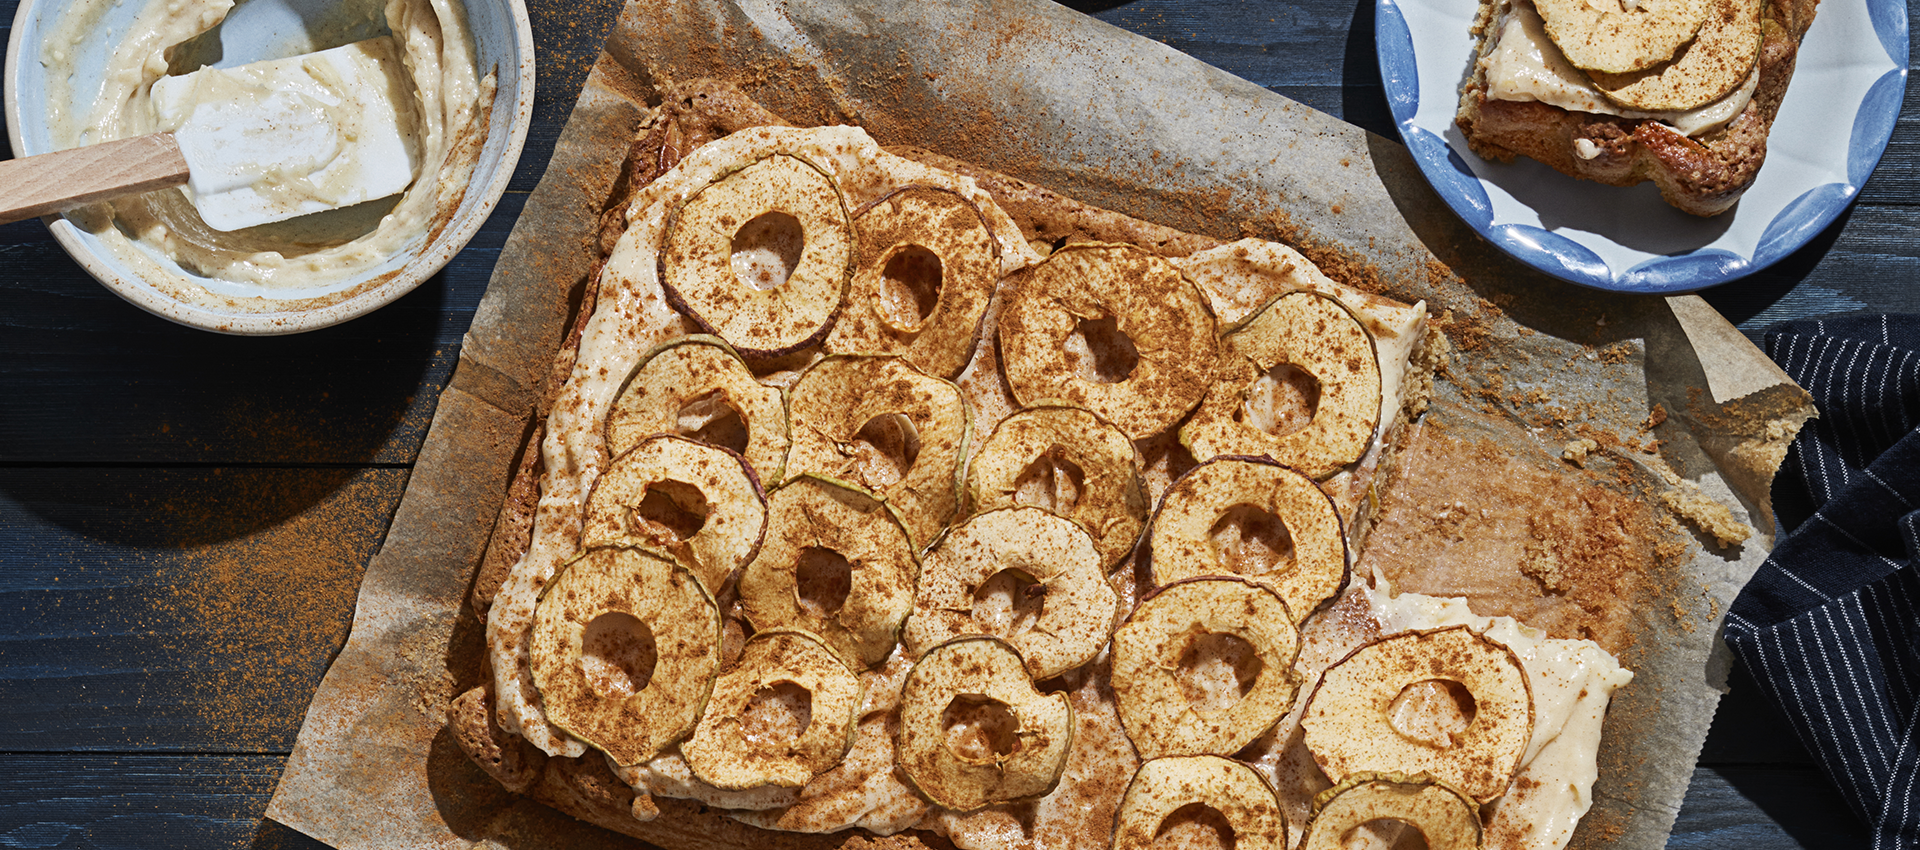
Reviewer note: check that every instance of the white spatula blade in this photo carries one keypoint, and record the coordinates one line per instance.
(283, 138)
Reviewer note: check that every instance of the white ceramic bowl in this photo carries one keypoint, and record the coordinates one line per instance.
(263, 29)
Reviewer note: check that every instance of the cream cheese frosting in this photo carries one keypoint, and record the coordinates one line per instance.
(272, 267)
(1572, 682)
(1522, 64)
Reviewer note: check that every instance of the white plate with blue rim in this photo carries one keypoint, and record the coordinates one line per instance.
(1832, 127)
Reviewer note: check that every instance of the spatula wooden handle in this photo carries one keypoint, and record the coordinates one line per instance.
(51, 182)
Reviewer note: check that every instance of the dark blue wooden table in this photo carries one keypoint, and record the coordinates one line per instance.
(184, 517)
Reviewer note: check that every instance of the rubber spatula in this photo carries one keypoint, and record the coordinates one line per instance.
(252, 144)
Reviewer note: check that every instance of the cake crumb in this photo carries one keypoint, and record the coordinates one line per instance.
(1706, 514)
(1687, 501)
(1541, 562)
(1576, 452)
(1428, 359)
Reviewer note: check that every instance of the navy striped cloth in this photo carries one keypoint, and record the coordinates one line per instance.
(1830, 624)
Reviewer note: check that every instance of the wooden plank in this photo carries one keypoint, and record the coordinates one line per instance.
(1267, 43)
(183, 609)
(1896, 180)
(567, 35)
(360, 392)
(1320, 54)
(1866, 260)
(140, 801)
(1764, 809)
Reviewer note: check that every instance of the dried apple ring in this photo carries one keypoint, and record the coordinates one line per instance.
(1068, 461)
(624, 650)
(881, 424)
(698, 388)
(1021, 574)
(1204, 666)
(838, 564)
(696, 502)
(973, 729)
(1111, 328)
(1617, 36)
(1443, 815)
(1256, 519)
(783, 714)
(761, 257)
(1165, 788)
(1302, 344)
(1445, 702)
(1715, 63)
(926, 269)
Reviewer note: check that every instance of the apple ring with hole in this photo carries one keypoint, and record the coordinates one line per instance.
(1111, 328)
(783, 714)
(1256, 519)
(1172, 795)
(698, 387)
(1297, 382)
(761, 256)
(624, 650)
(697, 502)
(1204, 666)
(837, 564)
(974, 731)
(1023, 575)
(1446, 702)
(1446, 818)
(1068, 461)
(926, 267)
(884, 425)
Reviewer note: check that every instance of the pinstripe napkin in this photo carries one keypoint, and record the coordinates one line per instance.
(1830, 624)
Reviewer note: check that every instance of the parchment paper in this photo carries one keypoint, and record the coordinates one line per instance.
(1048, 95)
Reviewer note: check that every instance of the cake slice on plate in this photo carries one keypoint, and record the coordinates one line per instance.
(1680, 92)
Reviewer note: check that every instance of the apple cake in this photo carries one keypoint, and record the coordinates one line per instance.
(1679, 92)
(883, 500)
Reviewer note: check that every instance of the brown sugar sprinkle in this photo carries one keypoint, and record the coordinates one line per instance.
(1467, 332)
(1681, 615)
(1616, 354)
(1473, 516)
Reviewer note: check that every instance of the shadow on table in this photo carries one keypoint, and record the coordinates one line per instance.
(1768, 295)
(1753, 759)
(88, 379)
(273, 835)
(1363, 101)
(175, 508)
(1796, 810)
(124, 428)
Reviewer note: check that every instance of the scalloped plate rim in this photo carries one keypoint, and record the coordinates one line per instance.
(1712, 264)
